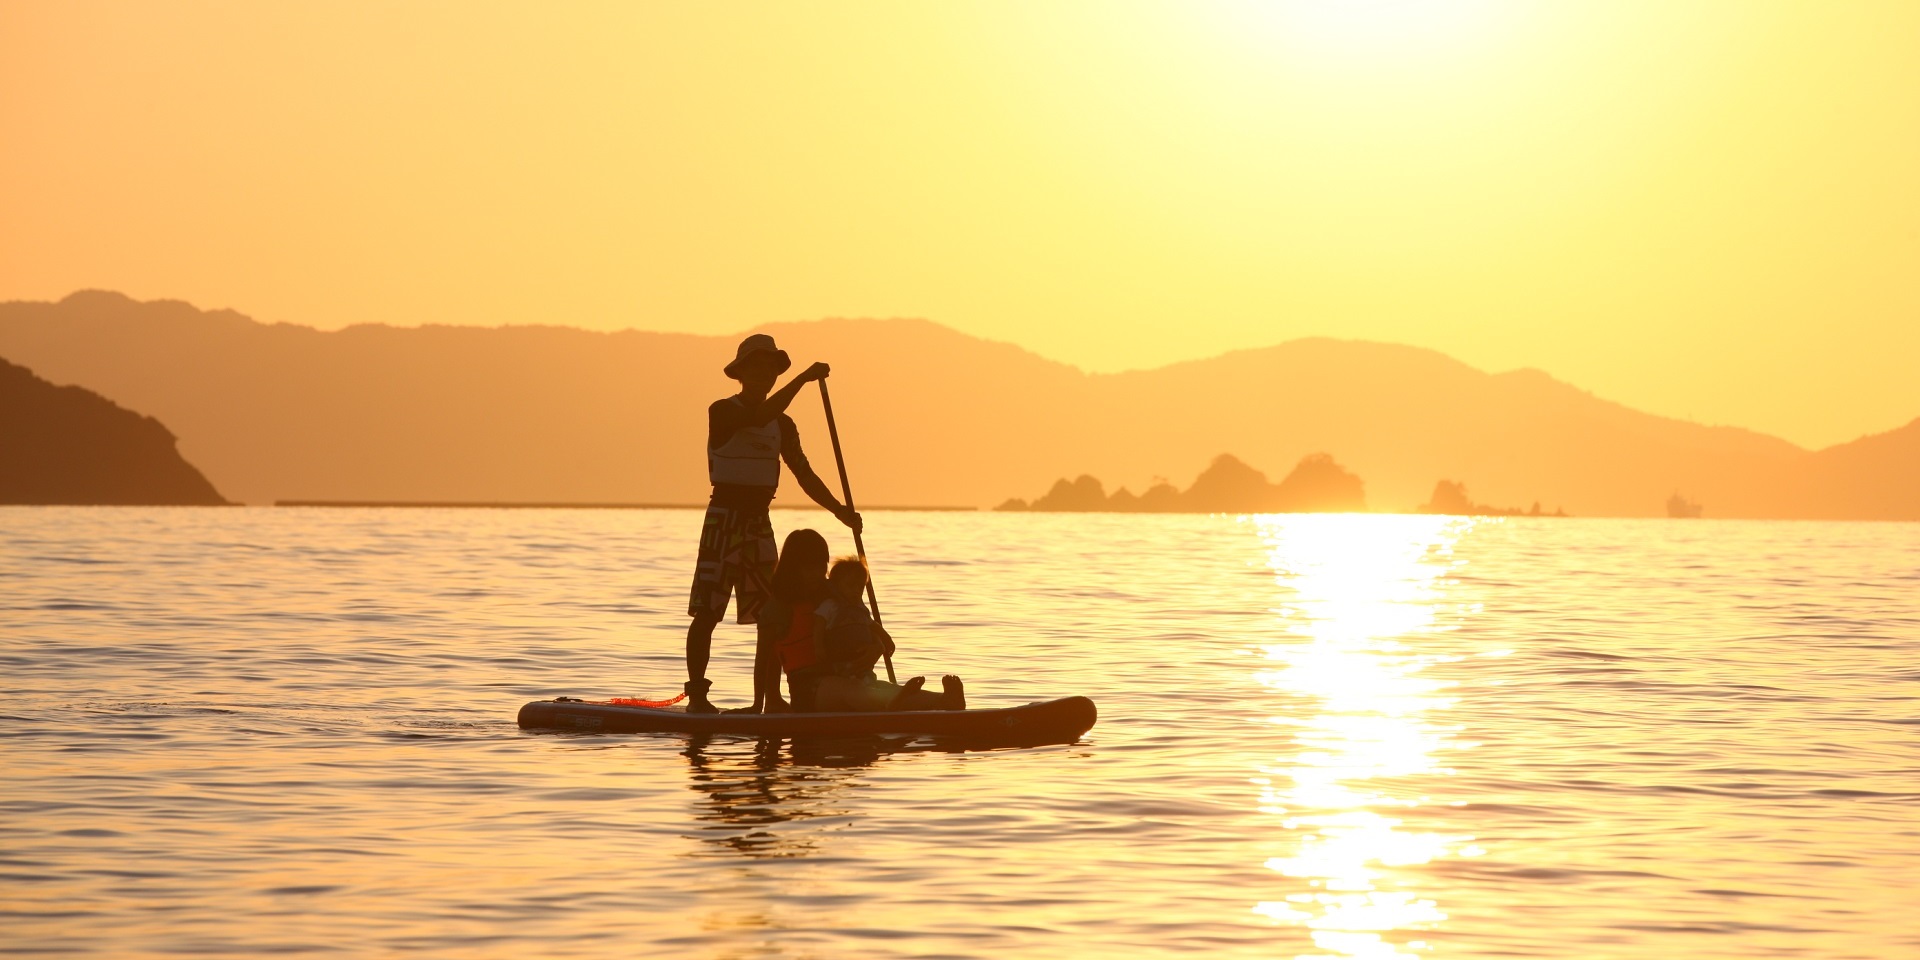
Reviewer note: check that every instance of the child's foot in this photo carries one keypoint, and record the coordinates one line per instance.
(912, 686)
(777, 705)
(697, 697)
(954, 691)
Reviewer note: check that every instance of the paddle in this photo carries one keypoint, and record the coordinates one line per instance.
(846, 493)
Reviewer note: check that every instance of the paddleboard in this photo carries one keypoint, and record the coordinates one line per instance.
(1051, 721)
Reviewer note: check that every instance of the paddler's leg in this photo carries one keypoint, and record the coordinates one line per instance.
(699, 648)
(714, 574)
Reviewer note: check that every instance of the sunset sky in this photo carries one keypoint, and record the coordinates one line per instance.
(1709, 210)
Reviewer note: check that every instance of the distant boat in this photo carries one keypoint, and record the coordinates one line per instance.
(1680, 507)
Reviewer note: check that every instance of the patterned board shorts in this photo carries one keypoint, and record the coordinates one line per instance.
(736, 554)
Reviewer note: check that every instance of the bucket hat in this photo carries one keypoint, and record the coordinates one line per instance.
(758, 343)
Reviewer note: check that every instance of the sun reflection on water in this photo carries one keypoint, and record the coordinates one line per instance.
(1359, 593)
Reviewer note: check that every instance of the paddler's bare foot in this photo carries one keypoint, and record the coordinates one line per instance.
(955, 692)
(777, 705)
(907, 690)
(736, 710)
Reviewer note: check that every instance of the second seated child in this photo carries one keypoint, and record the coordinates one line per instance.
(848, 643)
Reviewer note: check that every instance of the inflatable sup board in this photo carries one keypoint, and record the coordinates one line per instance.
(1051, 721)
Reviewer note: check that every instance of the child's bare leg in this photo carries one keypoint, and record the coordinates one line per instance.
(774, 702)
(919, 700)
(912, 697)
(766, 668)
(953, 693)
(801, 689)
(902, 699)
(863, 694)
(835, 694)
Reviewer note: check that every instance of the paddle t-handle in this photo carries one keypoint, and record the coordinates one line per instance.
(846, 494)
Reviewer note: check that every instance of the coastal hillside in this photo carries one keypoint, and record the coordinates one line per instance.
(1876, 477)
(927, 415)
(66, 445)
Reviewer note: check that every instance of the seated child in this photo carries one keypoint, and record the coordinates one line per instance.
(784, 632)
(847, 643)
(800, 659)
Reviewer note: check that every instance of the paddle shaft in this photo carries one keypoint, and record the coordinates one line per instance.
(846, 493)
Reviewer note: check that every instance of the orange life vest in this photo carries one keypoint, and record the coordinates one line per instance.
(796, 650)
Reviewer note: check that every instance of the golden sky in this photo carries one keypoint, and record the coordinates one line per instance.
(1704, 209)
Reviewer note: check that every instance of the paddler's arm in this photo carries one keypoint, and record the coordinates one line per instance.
(725, 418)
(776, 402)
(809, 481)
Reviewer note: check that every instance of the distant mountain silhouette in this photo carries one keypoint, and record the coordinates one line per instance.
(927, 415)
(1316, 485)
(66, 445)
(1450, 497)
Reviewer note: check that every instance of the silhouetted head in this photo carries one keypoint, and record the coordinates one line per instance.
(758, 360)
(801, 572)
(848, 577)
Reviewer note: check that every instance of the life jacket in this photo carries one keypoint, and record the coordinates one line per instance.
(849, 635)
(749, 458)
(796, 648)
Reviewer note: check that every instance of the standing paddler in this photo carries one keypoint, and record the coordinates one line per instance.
(748, 434)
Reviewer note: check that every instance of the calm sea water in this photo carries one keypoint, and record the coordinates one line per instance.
(245, 732)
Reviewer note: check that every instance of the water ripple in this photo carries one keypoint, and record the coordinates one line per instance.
(256, 731)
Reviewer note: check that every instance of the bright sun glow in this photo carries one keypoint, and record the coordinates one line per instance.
(1368, 31)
